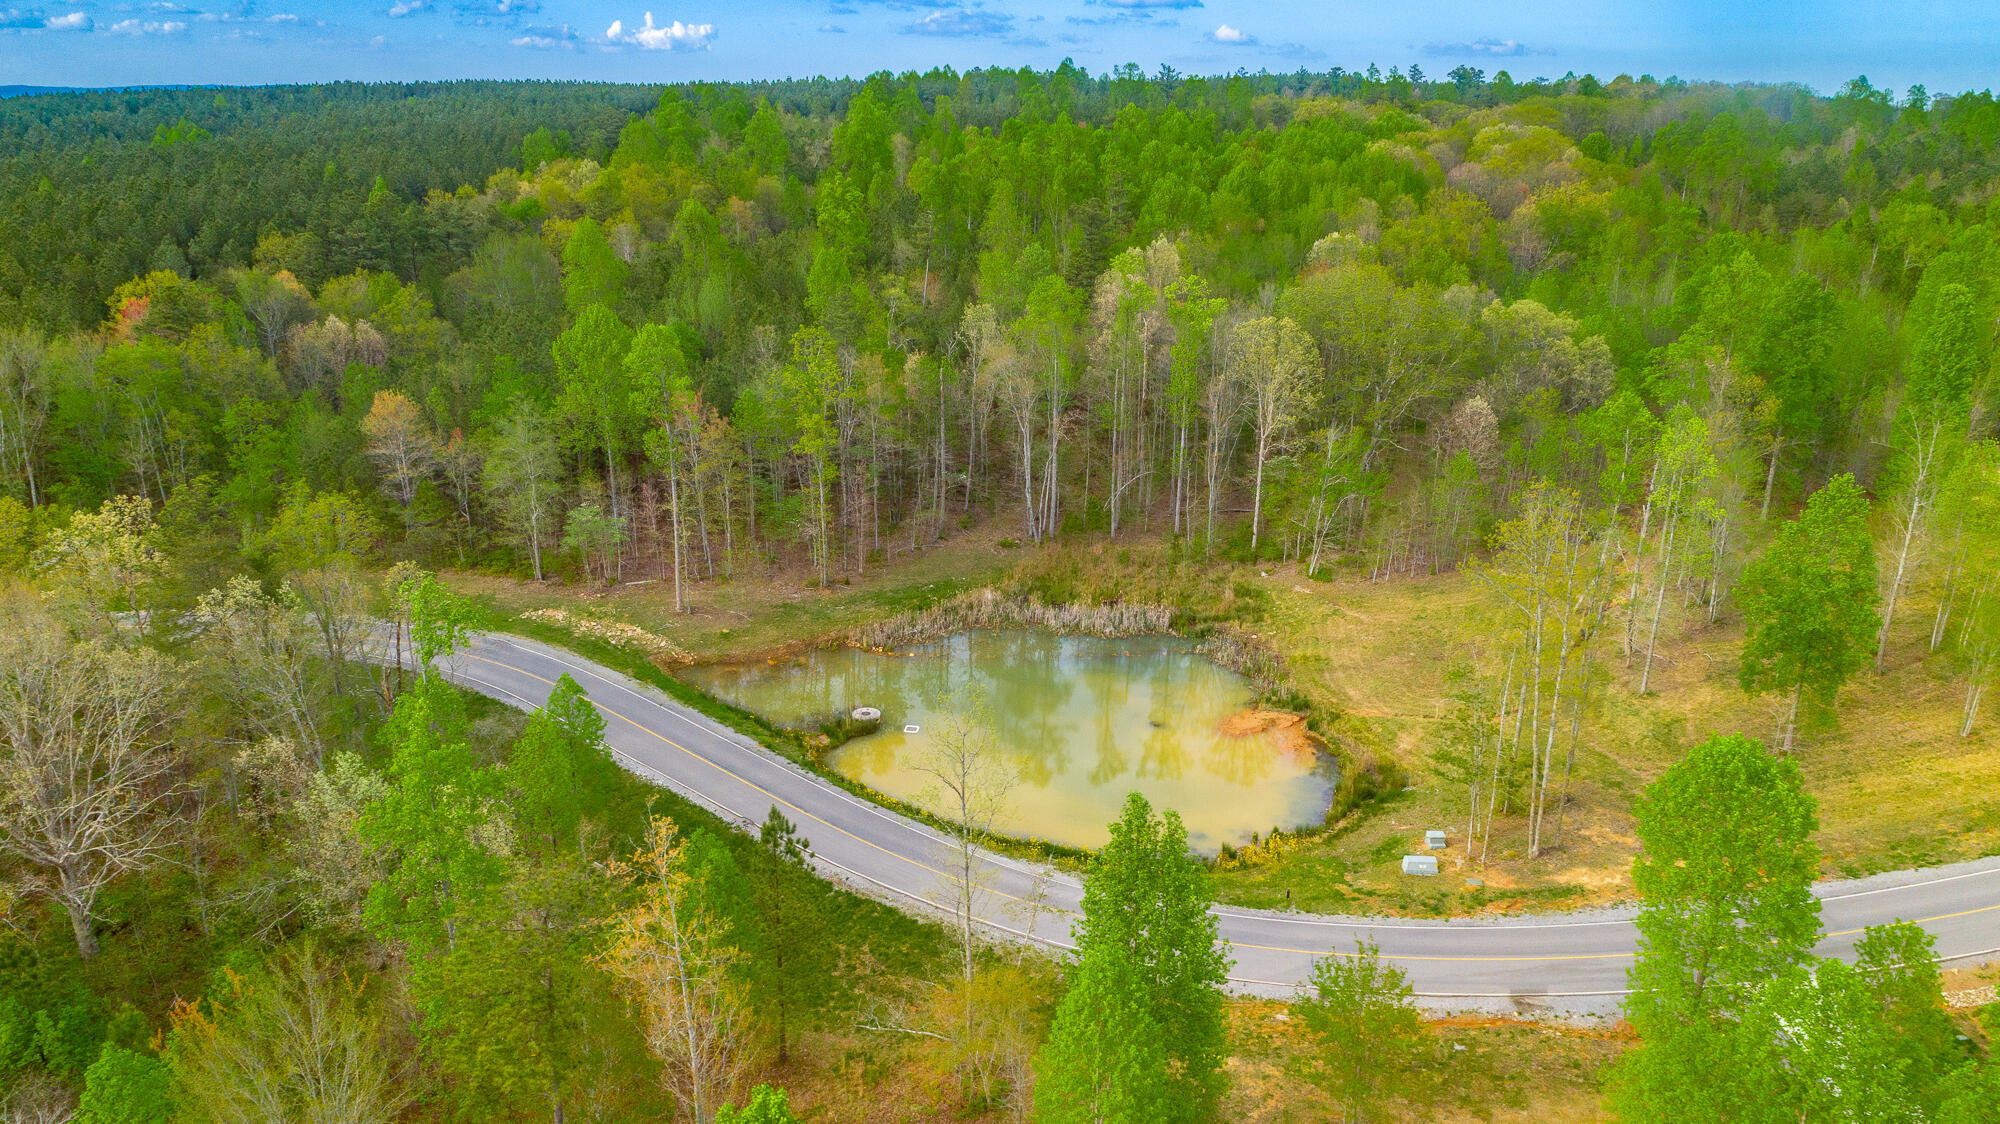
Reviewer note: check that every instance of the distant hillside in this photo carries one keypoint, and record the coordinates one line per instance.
(99, 185)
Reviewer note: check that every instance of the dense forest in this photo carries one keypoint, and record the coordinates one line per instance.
(1639, 354)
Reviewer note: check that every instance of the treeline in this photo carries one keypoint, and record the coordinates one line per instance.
(1355, 327)
(99, 187)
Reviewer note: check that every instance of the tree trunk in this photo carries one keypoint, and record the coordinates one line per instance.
(1910, 518)
(1771, 476)
(1257, 499)
(80, 925)
(674, 520)
(1653, 640)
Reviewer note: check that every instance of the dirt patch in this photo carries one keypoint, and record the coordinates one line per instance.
(1287, 731)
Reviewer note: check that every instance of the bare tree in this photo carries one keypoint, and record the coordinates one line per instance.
(401, 444)
(265, 652)
(273, 301)
(1274, 359)
(971, 782)
(295, 1044)
(1549, 569)
(27, 396)
(38, 1098)
(85, 769)
(674, 954)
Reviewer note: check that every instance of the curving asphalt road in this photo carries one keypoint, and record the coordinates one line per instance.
(1568, 963)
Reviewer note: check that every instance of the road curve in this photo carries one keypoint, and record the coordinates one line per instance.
(1566, 963)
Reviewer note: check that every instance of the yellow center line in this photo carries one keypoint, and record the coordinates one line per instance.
(1001, 893)
(941, 874)
(1926, 920)
(1451, 959)
(731, 775)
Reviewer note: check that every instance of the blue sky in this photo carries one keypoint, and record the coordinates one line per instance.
(1948, 45)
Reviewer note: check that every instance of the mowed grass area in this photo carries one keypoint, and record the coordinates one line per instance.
(1897, 787)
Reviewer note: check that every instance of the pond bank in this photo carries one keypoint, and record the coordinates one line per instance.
(1080, 721)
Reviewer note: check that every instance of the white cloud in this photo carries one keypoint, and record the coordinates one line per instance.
(963, 23)
(75, 21)
(1233, 36)
(545, 38)
(669, 37)
(147, 27)
(407, 8)
(1486, 45)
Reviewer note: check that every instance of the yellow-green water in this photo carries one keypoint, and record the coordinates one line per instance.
(1081, 721)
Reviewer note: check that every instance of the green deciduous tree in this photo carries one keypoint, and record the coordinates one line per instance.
(767, 1105)
(424, 829)
(1145, 912)
(522, 479)
(1948, 357)
(1367, 1035)
(126, 1087)
(1106, 1059)
(1809, 603)
(1725, 882)
(439, 619)
(1898, 963)
(1816, 1048)
(558, 770)
(593, 274)
(1792, 355)
(1274, 361)
(595, 395)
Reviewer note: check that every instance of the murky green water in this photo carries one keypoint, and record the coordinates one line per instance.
(1082, 721)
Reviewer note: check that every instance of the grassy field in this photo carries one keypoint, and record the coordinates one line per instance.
(1897, 787)
(1372, 658)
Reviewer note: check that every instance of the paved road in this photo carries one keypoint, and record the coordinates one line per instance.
(1571, 963)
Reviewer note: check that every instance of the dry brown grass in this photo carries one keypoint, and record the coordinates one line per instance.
(1483, 1069)
(760, 610)
(1896, 786)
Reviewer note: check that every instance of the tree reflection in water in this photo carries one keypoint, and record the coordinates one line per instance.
(1085, 719)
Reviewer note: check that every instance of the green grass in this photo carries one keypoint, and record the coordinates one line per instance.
(786, 743)
(1368, 661)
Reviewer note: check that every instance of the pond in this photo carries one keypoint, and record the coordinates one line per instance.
(1081, 720)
